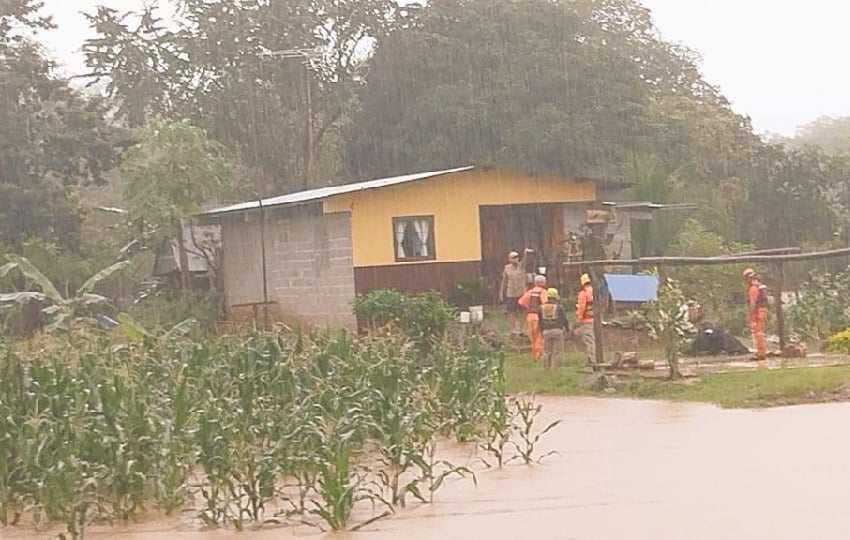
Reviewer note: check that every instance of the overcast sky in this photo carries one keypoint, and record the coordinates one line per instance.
(782, 62)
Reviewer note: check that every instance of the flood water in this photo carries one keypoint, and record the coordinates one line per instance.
(626, 469)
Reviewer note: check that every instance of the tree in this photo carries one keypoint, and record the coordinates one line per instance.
(789, 197)
(651, 237)
(551, 86)
(60, 308)
(717, 288)
(170, 174)
(220, 65)
(830, 134)
(51, 137)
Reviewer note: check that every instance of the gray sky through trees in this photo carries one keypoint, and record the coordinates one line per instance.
(778, 61)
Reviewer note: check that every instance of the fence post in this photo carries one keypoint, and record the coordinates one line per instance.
(597, 316)
(780, 315)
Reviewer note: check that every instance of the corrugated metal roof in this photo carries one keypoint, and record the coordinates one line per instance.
(632, 287)
(309, 195)
(651, 205)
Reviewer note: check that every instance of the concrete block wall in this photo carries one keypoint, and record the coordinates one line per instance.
(309, 264)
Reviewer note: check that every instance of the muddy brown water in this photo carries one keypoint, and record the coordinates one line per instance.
(626, 469)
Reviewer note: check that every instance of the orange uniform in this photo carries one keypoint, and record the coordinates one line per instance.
(757, 315)
(532, 299)
(584, 316)
(584, 305)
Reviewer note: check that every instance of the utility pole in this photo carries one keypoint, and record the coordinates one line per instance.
(307, 55)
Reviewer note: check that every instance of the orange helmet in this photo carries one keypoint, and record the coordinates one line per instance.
(748, 273)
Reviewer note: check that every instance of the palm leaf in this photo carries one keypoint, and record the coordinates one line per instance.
(89, 299)
(34, 274)
(182, 328)
(21, 297)
(92, 282)
(6, 268)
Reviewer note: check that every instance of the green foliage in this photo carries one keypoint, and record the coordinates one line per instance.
(266, 108)
(576, 106)
(165, 309)
(61, 309)
(471, 292)
(717, 288)
(172, 171)
(839, 342)
(651, 237)
(52, 137)
(315, 425)
(422, 316)
(525, 413)
(821, 306)
(827, 133)
(667, 322)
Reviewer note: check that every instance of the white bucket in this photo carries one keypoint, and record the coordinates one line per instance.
(541, 270)
(464, 316)
(476, 313)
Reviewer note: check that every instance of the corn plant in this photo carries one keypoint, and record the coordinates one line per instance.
(526, 412)
(97, 427)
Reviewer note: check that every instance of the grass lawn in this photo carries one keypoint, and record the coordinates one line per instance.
(760, 388)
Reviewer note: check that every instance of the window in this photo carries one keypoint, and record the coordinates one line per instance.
(414, 238)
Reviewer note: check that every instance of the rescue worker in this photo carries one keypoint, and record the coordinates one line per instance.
(553, 328)
(756, 310)
(512, 286)
(532, 299)
(584, 319)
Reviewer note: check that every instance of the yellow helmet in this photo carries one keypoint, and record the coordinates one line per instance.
(552, 292)
(585, 279)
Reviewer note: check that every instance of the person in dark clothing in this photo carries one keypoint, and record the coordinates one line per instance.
(553, 325)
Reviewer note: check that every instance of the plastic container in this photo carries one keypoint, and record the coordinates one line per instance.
(476, 313)
(464, 316)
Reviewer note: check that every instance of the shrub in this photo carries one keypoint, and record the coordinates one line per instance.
(421, 317)
(471, 292)
(821, 307)
(166, 309)
(718, 288)
(668, 323)
(839, 343)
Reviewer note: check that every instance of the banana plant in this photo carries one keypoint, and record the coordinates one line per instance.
(60, 309)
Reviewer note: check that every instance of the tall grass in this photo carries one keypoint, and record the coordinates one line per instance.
(242, 430)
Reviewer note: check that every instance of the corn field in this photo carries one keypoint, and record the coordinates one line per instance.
(296, 428)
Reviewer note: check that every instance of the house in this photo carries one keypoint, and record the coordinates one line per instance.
(202, 244)
(304, 256)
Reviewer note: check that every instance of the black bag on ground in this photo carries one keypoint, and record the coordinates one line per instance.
(715, 340)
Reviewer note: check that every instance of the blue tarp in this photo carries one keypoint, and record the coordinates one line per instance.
(632, 287)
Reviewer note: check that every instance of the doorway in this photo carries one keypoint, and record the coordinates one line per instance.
(506, 228)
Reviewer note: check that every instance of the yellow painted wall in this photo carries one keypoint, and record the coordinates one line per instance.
(453, 200)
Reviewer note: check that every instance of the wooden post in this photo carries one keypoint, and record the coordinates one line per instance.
(780, 315)
(263, 262)
(597, 316)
